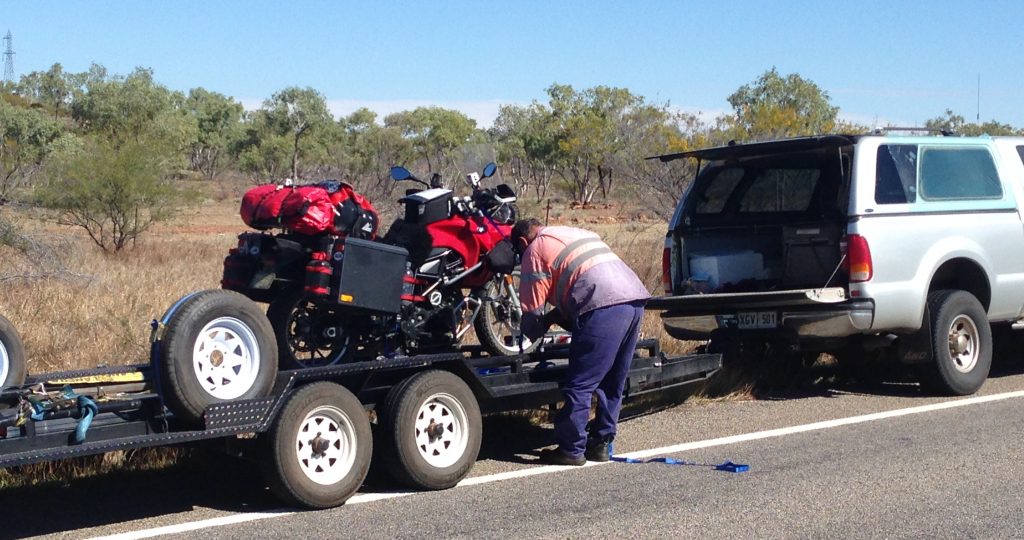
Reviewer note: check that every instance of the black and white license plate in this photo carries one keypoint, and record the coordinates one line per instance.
(753, 320)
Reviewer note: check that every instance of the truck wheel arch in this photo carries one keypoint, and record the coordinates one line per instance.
(963, 274)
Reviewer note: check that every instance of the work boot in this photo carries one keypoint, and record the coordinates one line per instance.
(597, 450)
(555, 456)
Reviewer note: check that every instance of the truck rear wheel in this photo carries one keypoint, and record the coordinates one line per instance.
(433, 427)
(12, 355)
(218, 346)
(961, 344)
(320, 447)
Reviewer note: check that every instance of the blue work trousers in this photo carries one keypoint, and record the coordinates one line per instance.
(600, 355)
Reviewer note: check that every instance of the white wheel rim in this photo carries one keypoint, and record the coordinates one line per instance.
(442, 430)
(325, 445)
(226, 358)
(5, 363)
(963, 343)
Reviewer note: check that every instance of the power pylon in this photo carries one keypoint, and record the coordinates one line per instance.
(8, 58)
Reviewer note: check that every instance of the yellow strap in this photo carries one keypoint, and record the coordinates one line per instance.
(132, 376)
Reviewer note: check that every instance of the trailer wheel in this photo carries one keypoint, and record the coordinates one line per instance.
(961, 344)
(433, 429)
(498, 324)
(218, 346)
(320, 447)
(305, 337)
(12, 355)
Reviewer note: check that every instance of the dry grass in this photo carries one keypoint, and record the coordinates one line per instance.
(62, 472)
(101, 316)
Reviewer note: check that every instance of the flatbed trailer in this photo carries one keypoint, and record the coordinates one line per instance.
(314, 425)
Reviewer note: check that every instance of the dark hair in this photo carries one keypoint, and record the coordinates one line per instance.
(521, 229)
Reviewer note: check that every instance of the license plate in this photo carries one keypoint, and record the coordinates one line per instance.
(756, 319)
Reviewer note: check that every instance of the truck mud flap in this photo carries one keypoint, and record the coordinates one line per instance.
(916, 347)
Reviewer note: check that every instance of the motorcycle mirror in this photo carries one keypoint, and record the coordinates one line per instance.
(490, 169)
(400, 173)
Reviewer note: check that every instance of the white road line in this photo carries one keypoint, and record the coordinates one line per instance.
(194, 525)
(547, 469)
(827, 424)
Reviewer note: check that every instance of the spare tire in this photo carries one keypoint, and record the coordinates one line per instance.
(217, 346)
(12, 356)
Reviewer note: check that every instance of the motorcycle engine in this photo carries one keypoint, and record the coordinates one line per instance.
(432, 321)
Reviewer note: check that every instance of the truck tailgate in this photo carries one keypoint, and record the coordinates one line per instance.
(701, 304)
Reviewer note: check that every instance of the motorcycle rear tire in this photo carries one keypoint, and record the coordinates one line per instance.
(283, 312)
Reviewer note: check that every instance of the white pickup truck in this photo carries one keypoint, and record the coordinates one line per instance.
(912, 245)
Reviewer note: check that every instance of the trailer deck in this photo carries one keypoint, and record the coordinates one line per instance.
(132, 414)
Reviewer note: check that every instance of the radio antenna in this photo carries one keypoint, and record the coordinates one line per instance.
(977, 110)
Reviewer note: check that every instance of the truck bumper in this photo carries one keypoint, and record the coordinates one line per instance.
(806, 322)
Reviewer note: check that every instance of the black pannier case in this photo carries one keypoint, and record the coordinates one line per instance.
(371, 276)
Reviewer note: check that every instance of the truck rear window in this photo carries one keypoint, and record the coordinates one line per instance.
(780, 190)
(748, 190)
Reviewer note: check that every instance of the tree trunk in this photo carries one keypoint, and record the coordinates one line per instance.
(295, 158)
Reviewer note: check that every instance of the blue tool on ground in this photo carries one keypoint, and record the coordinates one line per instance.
(727, 466)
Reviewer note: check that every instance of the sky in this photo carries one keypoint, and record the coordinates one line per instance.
(893, 62)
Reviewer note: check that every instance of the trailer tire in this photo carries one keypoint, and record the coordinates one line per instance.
(433, 428)
(318, 469)
(12, 355)
(218, 346)
(961, 344)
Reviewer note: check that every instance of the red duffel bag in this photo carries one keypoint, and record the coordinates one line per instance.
(302, 209)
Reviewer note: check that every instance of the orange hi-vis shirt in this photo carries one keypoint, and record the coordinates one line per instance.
(575, 271)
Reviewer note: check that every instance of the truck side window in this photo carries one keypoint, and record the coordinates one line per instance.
(959, 173)
(896, 174)
(1020, 152)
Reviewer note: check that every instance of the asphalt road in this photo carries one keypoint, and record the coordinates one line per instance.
(948, 472)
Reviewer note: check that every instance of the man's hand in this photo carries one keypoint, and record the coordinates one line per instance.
(554, 317)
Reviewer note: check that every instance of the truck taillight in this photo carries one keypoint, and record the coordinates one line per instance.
(666, 268)
(858, 258)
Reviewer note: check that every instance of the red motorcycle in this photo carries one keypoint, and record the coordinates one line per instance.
(444, 268)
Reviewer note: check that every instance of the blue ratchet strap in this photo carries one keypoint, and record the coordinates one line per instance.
(727, 466)
(87, 410)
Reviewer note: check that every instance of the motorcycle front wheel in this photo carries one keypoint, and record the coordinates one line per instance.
(497, 326)
(307, 335)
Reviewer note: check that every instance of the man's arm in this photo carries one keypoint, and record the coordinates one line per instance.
(534, 278)
(534, 287)
(536, 323)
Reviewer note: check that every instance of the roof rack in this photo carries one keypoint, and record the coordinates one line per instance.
(883, 130)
